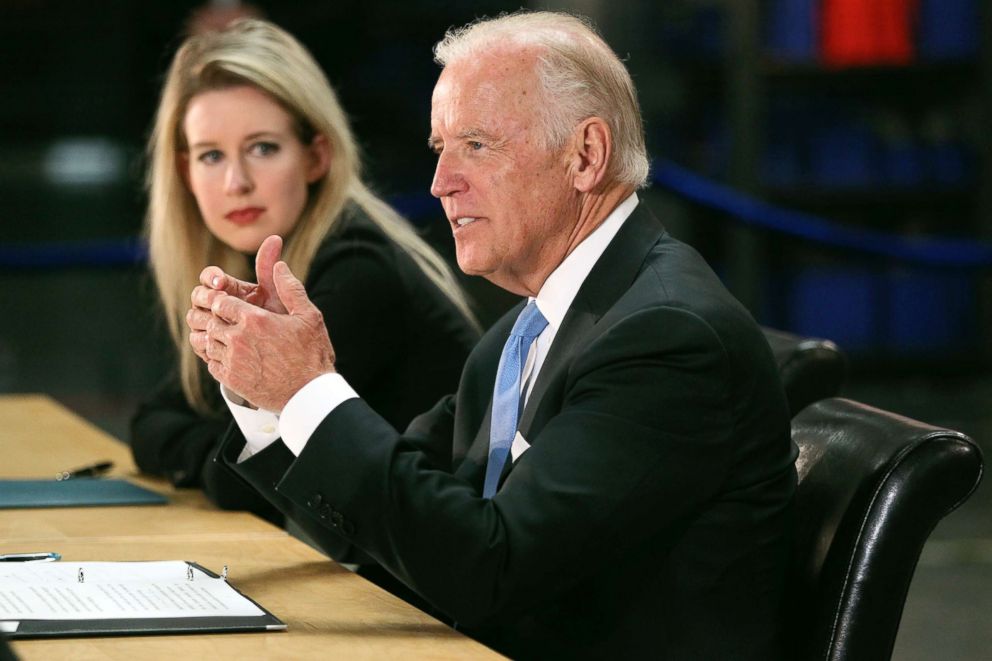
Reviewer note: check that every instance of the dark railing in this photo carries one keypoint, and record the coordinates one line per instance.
(741, 208)
(748, 210)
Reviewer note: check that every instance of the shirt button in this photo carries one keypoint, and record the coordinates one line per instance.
(268, 429)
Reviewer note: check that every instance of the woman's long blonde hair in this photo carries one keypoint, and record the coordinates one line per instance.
(256, 53)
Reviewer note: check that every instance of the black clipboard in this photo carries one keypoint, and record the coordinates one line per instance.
(64, 628)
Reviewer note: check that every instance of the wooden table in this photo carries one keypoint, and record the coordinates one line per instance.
(331, 612)
(40, 438)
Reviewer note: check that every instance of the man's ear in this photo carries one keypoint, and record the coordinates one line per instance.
(592, 149)
(319, 153)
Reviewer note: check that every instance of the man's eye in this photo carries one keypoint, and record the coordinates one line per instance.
(264, 148)
(211, 156)
(475, 145)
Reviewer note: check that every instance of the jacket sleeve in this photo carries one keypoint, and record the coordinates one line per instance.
(318, 517)
(643, 437)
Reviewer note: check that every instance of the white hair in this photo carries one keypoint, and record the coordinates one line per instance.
(580, 77)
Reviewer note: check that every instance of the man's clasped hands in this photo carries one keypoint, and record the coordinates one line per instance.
(233, 323)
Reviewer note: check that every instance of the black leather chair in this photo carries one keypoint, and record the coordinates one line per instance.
(872, 486)
(811, 368)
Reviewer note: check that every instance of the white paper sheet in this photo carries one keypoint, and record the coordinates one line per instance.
(114, 590)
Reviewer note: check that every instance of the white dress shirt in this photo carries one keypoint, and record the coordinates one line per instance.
(315, 401)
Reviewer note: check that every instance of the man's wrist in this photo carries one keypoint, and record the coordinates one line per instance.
(259, 426)
(306, 409)
(236, 399)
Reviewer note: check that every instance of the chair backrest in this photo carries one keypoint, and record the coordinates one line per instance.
(811, 368)
(872, 485)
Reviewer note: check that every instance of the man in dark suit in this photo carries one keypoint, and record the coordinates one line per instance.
(614, 476)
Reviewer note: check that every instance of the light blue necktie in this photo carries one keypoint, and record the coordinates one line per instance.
(506, 395)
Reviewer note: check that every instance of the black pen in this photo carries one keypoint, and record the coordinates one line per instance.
(30, 557)
(93, 470)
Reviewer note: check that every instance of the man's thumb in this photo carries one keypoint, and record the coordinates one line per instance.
(268, 254)
(290, 290)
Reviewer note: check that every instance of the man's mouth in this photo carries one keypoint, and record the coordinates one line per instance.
(462, 222)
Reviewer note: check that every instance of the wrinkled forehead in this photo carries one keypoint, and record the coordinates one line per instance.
(500, 82)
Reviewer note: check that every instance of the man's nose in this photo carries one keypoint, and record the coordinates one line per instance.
(448, 178)
(238, 180)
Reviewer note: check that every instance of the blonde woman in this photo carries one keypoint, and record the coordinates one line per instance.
(249, 140)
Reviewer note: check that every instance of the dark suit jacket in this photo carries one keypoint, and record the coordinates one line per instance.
(649, 519)
(6, 654)
(399, 341)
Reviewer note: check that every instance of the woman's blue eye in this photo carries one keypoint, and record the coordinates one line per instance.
(264, 148)
(211, 156)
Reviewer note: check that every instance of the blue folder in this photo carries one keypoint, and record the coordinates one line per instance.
(77, 492)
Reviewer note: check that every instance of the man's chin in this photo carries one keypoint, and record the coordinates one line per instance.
(470, 266)
(502, 280)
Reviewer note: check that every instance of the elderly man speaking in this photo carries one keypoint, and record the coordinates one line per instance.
(614, 476)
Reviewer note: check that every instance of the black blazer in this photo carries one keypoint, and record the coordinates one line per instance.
(399, 341)
(6, 654)
(650, 517)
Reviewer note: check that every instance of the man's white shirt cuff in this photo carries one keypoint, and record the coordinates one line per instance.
(309, 406)
(260, 427)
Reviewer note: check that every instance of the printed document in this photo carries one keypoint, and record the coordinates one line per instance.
(115, 590)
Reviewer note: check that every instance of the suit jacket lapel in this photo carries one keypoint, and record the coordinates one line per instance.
(609, 279)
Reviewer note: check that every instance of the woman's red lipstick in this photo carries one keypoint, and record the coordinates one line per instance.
(245, 216)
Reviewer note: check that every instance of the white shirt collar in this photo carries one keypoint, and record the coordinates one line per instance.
(559, 290)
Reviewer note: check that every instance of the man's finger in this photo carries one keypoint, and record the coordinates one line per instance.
(266, 258)
(291, 291)
(214, 278)
(215, 350)
(231, 309)
(218, 330)
(198, 340)
(203, 297)
(197, 319)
